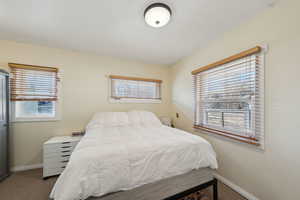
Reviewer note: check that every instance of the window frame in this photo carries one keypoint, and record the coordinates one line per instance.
(257, 141)
(132, 100)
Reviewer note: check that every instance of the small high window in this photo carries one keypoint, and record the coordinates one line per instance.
(132, 89)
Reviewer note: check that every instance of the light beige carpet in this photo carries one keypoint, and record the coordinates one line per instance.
(29, 185)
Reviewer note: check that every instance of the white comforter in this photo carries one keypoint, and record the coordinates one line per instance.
(110, 159)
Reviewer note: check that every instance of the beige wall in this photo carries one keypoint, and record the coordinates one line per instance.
(272, 174)
(84, 91)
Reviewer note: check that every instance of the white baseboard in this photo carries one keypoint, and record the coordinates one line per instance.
(235, 187)
(26, 167)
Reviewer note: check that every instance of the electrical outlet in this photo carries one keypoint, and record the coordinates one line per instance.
(177, 115)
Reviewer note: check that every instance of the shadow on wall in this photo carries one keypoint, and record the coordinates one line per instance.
(186, 116)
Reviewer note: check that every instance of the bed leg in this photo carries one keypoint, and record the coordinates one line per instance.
(215, 189)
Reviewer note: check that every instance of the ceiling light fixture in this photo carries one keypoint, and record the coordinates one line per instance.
(157, 15)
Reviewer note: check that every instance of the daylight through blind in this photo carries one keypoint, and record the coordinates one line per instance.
(229, 99)
(135, 88)
(33, 83)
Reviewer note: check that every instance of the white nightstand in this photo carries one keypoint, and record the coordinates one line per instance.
(56, 154)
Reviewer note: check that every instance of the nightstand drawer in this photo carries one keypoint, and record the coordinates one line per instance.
(59, 147)
(56, 163)
(56, 160)
(58, 151)
(52, 171)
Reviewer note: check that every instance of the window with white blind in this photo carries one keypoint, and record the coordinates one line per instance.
(34, 92)
(132, 89)
(229, 97)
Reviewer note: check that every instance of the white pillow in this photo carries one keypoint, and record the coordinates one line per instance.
(108, 119)
(145, 118)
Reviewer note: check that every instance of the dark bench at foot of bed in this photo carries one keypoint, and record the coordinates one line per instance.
(174, 188)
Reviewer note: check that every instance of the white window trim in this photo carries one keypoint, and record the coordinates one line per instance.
(58, 109)
(130, 100)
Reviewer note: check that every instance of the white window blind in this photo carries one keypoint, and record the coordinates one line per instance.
(33, 83)
(229, 97)
(135, 88)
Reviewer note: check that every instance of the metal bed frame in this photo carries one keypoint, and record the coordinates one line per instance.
(174, 188)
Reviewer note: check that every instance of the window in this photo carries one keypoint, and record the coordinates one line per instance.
(34, 109)
(33, 92)
(131, 89)
(229, 97)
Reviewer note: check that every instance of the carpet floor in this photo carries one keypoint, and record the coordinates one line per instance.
(29, 185)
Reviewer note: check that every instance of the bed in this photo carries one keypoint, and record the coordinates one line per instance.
(126, 151)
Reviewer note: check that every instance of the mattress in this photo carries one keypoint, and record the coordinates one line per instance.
(119, 158)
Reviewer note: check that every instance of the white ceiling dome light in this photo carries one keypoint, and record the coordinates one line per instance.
(157, 15)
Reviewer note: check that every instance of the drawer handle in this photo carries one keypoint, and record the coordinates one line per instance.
(65, 155)
(64, 161)
(66, 142)
(66, 147)
(65, 151)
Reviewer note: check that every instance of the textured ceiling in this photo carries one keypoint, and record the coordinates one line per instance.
(117, 28)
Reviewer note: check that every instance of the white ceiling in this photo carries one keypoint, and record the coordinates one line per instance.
(117, 28)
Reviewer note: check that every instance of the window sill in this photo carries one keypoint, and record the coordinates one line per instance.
(20, 120)
(229, 135)
(124, 100)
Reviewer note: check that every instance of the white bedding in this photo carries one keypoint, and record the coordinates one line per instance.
(114, 158)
